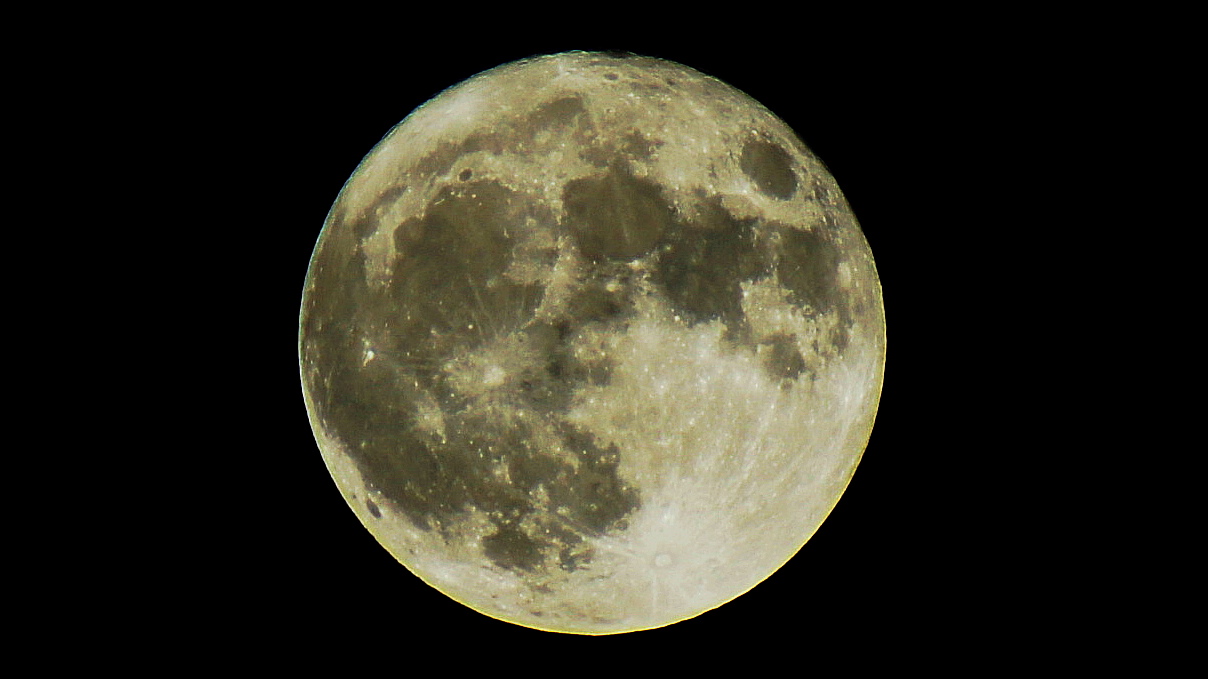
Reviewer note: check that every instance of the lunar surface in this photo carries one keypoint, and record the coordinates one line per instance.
(592, 343)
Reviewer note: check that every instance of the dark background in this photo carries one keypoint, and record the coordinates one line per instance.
(915, 132)
(1007, 165)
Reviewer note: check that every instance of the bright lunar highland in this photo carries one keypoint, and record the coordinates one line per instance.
(592, 343)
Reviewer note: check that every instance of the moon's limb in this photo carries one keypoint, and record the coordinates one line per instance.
(597, 342)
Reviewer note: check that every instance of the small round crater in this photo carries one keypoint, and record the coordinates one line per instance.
(466, 174)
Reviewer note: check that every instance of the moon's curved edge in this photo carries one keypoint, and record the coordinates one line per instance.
(858, 436)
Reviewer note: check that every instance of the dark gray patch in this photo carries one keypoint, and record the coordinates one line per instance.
(529, 470)
(605, 295)
(606, 152)
(637, 146)
(477, 443)
(511, 548)
(596, 303)
(545, 390)
(447, 154)
(339, 294)
(448, 275)
(490, 143)
(570, 559)
(366, 222)
(594, 496)
(431, 479)
(599, 154)
(449, 272)
(550, 387)
(465, 174)
(558, 113)
(439, 161)
(566, 368)
(781, 358)
(809, 268)
(770, 167)
(615, 215)
(373, 508)
(703, 266)
(589, 499)
(610, 76)
(401, 466)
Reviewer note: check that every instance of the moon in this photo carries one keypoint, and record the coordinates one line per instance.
(591, 343)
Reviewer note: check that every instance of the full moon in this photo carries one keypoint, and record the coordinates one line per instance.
(591, 343)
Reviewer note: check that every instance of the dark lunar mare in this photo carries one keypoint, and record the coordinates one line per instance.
(770, 167)
(808, 267)
(449, 277)
(704, 263)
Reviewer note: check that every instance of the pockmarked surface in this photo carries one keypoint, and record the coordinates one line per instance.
(592, 344)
